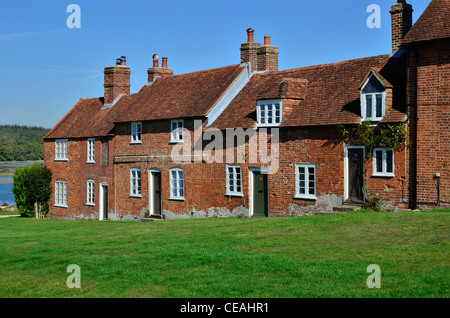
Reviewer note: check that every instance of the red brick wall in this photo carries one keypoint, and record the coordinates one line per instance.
(76, 171)
(392, 190)
(205, 184)
(433, 128)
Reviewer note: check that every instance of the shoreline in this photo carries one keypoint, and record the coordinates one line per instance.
(7, 168)
(15, 162)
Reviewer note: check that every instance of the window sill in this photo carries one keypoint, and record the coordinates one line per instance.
(375, 120)
(90, 162)
(135, 195)
(298, 197)
(384, 175)
(176, 142)
(62, 206)
(90, 204)
(136, 142)
(267, 125)
(230, 194)
(177, 199)
(67, 159)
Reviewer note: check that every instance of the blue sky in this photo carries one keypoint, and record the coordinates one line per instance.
(47, 67)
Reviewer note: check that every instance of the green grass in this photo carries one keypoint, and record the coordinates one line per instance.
(319, 256)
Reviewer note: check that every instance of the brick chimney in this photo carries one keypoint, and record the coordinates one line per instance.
(401, 13)
(117, 80)
(249, 50)
(156, 71)
(267, 56)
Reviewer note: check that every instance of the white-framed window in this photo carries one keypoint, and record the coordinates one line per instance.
(305, 181)
(269, 112)
(135, 182)
(383, 162)
(234, 180)
(62, 149)
(61, 194)
(176, 128)
(91, 150)
(90, 192)
(176, 184)
(373, 100)
(136, 133)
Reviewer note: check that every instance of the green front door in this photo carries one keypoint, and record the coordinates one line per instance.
(260, 208)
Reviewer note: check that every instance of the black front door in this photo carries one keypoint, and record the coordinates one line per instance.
(105, 202)
(156, 195)
(355, 180)
(260, 187)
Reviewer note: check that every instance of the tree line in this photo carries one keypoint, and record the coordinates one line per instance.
(21, 143)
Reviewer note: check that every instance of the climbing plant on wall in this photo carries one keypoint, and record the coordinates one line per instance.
(376, 136)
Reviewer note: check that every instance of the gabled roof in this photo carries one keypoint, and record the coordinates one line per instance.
(380, 78)
(179, 96)
(331, 95)
(433, 24)
(86, 119)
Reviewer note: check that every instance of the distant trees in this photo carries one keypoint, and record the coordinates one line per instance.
(21, 143)
(32, 188)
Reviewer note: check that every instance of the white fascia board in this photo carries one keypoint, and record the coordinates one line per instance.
(232, 92)
(113, 103)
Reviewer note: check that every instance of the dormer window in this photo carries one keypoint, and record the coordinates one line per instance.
(269, 112)
(373, 100)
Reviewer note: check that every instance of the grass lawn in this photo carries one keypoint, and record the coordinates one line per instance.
(318, 256)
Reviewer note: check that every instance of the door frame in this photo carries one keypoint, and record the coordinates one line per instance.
(251, 172)
(346, 170)
(101, 204)
(150, 189)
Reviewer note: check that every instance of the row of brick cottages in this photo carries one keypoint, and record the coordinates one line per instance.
(112, 157)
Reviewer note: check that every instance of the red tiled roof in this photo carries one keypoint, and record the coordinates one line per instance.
(293, 88)
(434, 23)
(186, 95)
(85, 119)
(179, 96)
(331, 95)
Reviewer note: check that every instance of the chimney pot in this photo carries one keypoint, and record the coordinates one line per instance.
(250, 37)
(266, 39)
(123, 60)
(155, 60)
(157, 71)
